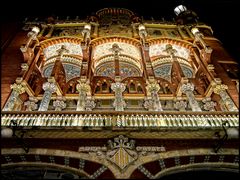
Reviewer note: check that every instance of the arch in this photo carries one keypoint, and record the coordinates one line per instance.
(164, 70)
(102, 40)
(142, 159)
(56, 40)
(179, 153)
(157, 46)
(103, 11)
(60, 154)
(73, 45)
(126, 68)
(46, 166)
(127, 48)
(198, 166)
(71, 65)
(99, 81)
(138, 82)
(168, 40)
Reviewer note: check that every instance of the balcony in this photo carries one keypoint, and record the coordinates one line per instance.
(121, 120)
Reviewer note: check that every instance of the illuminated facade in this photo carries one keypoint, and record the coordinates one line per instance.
(113, 96)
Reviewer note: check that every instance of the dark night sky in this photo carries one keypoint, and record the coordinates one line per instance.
(221, 15)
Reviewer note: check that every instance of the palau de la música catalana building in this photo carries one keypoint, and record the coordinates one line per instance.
(116, 96)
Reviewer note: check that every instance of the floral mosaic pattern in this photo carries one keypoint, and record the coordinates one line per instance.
(47, 72)
(187, 71)
(158, 49)
(127, 49)
(71, 71)
(52, 50)
(107, 69)
(127, 70)
(164, 72)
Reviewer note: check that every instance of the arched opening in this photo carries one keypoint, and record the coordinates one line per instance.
(200, 172)
(40, 171)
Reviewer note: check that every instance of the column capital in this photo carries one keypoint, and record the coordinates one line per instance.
(187, 87)
(19, 88)
(24, 66)
(217, 89)
(83, 86)
(117, 86)
(153, 86)
(47, 86)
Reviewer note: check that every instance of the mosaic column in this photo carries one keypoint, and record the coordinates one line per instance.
(86, 34)
(31, 104)
(17, 89)
(82, 88)
(199, 37)
(142, 34)
(44, 27)
(220, 89)
(50, 31)
(32, 36)
(49, 88)
(175, 64)
(153, 89)
(116, 52)
(119, 102)
(188, 90)
(237, 85)
(62, 50)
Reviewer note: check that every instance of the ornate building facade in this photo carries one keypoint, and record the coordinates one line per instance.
(115, 96)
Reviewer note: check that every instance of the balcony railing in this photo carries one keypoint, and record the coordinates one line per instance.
(121, 119)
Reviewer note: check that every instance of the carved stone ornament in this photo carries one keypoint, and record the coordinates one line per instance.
(119, 102)
(31, 104)
(59, 105)
(153, 87)
(121, 151)
(219, 88)
(116, 49)
(62, 50)
(18, 88)
(169, 50)
(188, 90)
(187, 87)
(90, 104)
(83, 87)
(208, 104)
(180, 105)
(47, 86)
(118, 87)
(148, 104)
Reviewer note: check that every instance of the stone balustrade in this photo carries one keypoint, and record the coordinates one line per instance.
(121, 120)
